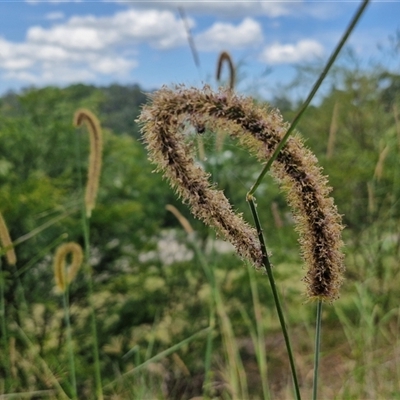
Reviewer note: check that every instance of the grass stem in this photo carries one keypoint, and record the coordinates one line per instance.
(69, 343)
(317, 347)
(159, 356)
(88, 271)
(310, 96)
(4, 333)
(268, 269)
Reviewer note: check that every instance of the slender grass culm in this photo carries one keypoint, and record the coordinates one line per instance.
(63, 279)
(7, 249)
(294, 167)
(95, 160)
(235, 370)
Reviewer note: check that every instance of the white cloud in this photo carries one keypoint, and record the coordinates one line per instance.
(52, 16)
(161, 29)
(223, 8)
(108, 65)
(67, 37)
(225, 36)
(98, 45)
(304, 50)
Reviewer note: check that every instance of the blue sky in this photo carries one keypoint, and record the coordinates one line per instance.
(102, 42)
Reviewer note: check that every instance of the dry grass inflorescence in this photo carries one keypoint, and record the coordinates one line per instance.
(95, 157)
(259, 129)
(63, 275)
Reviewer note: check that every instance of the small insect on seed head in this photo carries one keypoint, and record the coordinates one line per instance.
(200, 129)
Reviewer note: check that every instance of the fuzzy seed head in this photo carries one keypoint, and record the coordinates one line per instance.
(62, 275)
(225, 57)
(95, 158)
(259, 129)
(5, 241)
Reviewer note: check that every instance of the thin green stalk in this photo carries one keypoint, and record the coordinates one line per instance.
(159, 356)
(69, 344)
(268, 269)
(191, 42)
(310, 96)
(207, 363)
(40, 255)
(4, 333)
(42, 227)
(211, 279)
(29, 395)
(251, 199)
(42, 363)
(152, 340)
(259, 342)
(317, 347)
(236, 369)
(85, 228)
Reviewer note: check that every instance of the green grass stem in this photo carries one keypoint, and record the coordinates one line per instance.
(159, 356)
(237, 374)
(38, 394)
(152, 340)
(4, 332)
(69, 343)
(89, 278)
(251, 200)
(317, 349)
(42, 253)
(268, 269)
(259, 343)
(43, 227)
(40, 361)
(212, 304)
(207, 362)
(313, 91)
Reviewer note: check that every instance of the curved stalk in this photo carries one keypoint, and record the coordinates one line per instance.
(307, 102)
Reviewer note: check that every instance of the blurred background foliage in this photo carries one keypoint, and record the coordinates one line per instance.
(151, 286)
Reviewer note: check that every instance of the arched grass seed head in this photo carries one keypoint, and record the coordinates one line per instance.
(225, 57)
(260, 129)
(95, 158)
(62, 277)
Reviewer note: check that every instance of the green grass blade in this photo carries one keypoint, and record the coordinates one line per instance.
(88, 271)
(268, 269)
(159, 356)
(69, 343)
(316, 350)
